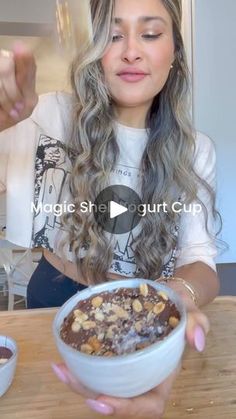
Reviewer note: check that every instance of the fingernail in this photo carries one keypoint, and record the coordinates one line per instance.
(199, 339)
(99, 407)
(14, 114)
(19, 106)
(59, 373)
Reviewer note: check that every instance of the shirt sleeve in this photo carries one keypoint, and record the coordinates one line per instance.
(194, 242)
(5, 146)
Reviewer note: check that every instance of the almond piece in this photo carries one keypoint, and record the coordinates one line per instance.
(137, 306)
(150, 316)
(158, 308)
(148, 305)
(86, 348)
(143, 290)
(113, 318)
(89, 324)
(81, 317)
(119, 311)
(97, 301)
(110, 331)
(173, 321)
(77, 313)
(94, 342)
(75, 327)
(99, 316)
(163, 295)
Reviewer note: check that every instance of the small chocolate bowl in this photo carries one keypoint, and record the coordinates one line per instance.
(8, 359)
(126, 375)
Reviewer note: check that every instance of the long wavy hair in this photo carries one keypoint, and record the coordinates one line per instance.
(166, 165)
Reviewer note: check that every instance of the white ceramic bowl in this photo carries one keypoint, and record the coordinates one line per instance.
(7, 370)
(124, 375)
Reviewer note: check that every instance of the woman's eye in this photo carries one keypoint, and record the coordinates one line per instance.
(151, 36)
(116, 38)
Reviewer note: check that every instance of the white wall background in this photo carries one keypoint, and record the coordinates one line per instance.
(32, 11)
(214, 100)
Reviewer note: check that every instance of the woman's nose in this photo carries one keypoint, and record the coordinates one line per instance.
(132, 51)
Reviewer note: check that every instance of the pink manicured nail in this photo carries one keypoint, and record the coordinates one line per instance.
(99, 407)
(19, 106)
(199, 339)
(14, 114)
(60, 374)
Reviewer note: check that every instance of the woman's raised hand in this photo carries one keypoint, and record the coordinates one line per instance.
(18, 96)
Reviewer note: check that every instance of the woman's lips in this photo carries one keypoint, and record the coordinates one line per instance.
(132, 77)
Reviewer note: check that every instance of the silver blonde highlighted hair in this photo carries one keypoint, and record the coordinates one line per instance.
(166, 165)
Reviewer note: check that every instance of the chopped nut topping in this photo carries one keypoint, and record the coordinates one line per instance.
(75, 327)
(110, 332)
(137, 306)
(120, 312)
(97, 301)
(94, 343)
(77, 313)
(144, 290)
(148, 306)
(99, 316)
(89, 324)
(158, 308)
(163, 295)
(173, 322)
(86, 348)
(112, 318)
(120, 321)
(81, 317)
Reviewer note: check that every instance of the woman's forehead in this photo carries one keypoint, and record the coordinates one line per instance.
(136, 9)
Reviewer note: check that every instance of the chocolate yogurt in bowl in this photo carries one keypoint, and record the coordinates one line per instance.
(5, 355)
(120, 322)
(8, 360)
(122, 338)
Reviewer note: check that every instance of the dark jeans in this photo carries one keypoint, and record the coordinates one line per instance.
(48, 287)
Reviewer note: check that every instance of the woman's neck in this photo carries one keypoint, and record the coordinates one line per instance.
(132, 117)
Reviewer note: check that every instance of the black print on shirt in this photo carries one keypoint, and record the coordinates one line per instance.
(53, 166)
(52, 170)
(124, 255)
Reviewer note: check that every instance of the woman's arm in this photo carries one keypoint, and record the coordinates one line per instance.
(203, 279)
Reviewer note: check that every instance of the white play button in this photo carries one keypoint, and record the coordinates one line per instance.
(116, 209)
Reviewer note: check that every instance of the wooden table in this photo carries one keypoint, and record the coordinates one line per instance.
(206, 387)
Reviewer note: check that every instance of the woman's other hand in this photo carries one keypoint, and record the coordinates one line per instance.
(18, 96)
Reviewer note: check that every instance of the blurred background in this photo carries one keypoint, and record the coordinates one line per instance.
(34, 23)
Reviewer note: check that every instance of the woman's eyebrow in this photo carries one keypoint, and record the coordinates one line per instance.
(143, 19)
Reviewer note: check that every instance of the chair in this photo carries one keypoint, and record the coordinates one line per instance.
(3, 281)
(19, 267)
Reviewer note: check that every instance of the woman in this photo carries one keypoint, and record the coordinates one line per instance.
(128, 108)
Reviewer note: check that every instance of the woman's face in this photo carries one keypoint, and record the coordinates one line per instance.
(137, 63)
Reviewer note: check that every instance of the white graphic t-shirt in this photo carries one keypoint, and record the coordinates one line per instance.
(35, 168)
